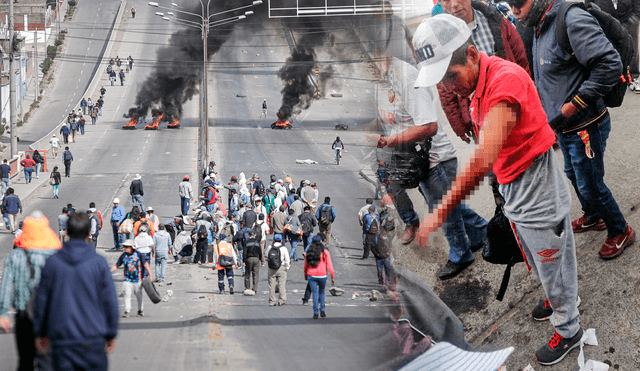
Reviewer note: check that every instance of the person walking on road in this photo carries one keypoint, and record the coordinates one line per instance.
(55, 181)
(65, 131)
(371, 224)
(136, 191)
(162, 251)
(81, 123)
(67, 157)
(39, 160)
(317, 262)
(22, 274)
(224, 248)
(185, 191)
(134, 266)
(308, 222)
(73, 125)
(144, 246)
(121, 76)
(6, 175)
(264, 109)
(63, 221)
(93, 113)
(83, 106)
(77, 322)
(293, 230)
(117, 216)
(94, 230)
(12, 206)
(28, 164)
(382, 251)
(55, 144)
(326, 215)
(253, 258)
(278, 262)
(133, 14)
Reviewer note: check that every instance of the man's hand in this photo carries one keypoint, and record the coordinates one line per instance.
(42, 344)
(568, 109)
(333, 282)
(110, 345)
(5, 324)
(428, 225)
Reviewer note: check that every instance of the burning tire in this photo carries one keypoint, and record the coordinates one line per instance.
(128, 127)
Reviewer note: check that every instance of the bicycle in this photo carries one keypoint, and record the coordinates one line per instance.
(338, 155)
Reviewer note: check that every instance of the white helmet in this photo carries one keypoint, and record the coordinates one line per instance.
(54, 135)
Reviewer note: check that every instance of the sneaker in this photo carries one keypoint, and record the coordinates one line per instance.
(543, 310)
(305, 302)
(409, 233)
(230, 290)
(614, 246)
(583, 224)
(557, 348)
(125, 315)
(140, 314)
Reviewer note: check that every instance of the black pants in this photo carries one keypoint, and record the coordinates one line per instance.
(67, 168)
(201, 250)
(369, 242)
(65, 138)
(307, 293)
(26, 344)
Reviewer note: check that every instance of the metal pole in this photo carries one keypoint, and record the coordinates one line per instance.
(205, 93)
(35, 64)
(12, 84)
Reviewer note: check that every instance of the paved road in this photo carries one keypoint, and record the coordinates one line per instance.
(86, 39)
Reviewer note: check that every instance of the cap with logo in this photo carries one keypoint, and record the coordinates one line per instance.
(434, 41)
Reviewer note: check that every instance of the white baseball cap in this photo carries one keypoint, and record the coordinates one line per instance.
(434, 41)
(116, 200)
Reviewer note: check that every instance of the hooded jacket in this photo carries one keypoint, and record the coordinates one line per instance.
(76, 300)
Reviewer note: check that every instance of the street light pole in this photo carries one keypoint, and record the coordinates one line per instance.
(204, 159)
(12, 83)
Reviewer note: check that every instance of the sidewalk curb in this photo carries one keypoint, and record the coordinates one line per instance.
(96, 76)
(366, 177)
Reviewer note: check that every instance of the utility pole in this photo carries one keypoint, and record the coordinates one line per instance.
(35, 63)
(12, 82)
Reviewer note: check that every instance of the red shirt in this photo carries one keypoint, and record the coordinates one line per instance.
(504, 81)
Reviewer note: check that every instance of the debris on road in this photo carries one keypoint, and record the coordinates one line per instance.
(307, 161)
(249, 292)
(336, 291)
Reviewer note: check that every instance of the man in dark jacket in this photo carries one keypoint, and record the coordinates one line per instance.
(12, 205)
(76, 309)
(493, 34)
(308, 222)
(65, 131)
(67, 158)
(136, 191)
(572, 100)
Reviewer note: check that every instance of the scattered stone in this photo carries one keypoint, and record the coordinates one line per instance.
(248, 292)
(612, 350)
(295, 291)
(336, 291)
(342, 127)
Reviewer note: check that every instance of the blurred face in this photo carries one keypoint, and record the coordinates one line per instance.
(458, 8)
(462, 79)
(521, 8)
(128, 250)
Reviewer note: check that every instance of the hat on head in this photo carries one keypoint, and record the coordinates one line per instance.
(149, 208)
(277, 237)
(435, 40)
(219, 213)
(280, 181)
(307, 181)
(372, 208)
(116, 200)
(257, 198)
(128, 243)
(212, 176)
(212, 163)
(261, 216)
(137, 177)
(317, 238)
(37, 234)
(186, 177)
(54, 135)
(223, 237)
(268, 190)
(288, 179)
(233, 177)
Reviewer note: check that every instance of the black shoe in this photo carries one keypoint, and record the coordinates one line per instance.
(542, 311)
(140, 314)
(305, 302)
(557, 348)
(230, 290)
(452, 269)
(315, 316)
(323, 314)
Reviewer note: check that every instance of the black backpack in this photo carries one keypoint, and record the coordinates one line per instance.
(502, 247)
(202, 232)
(261, 191)
(325, 215)
(373, 227)
(66, 156)
(307, 223)
(273, 258)
(616, 33)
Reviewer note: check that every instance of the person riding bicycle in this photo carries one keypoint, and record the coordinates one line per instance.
(338, 146)
(264, 108)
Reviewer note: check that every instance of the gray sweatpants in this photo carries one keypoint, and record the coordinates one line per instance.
(551, 253)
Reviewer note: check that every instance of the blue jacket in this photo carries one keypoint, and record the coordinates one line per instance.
(333, 212)
(76, 300)
(65, 130)
(117, 214)
(6, 170)
(559, 78)
(366, 221)
(12, 204)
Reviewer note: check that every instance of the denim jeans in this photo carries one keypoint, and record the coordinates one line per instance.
(464, 228)
(55, 190)
(6, 182)
(587, 176)
(137, 200)
(27, 174)
(294, 239)
(317, 285)
(386, 265)
(403, 204)
(161, 267)
(38, 167)
(144, 271)
(117, 237)
(553, 258)
(306, 241)
(184, 205)
(240, 255)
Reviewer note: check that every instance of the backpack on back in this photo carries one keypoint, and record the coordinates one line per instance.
(261, 190)
(325, 215)
(202, 232)
(66, 156)
(273, 257)
(616, 33)
(143, 227)
(373, 227)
